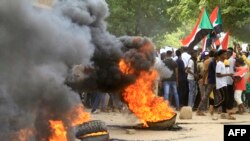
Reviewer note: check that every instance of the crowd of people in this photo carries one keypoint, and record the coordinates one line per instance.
(208, 81)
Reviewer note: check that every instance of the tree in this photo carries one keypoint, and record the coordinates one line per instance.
(172, 39)
(169, 21)
(141, 17)
(235, 14)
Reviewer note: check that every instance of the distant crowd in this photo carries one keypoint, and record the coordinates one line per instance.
(209, 80)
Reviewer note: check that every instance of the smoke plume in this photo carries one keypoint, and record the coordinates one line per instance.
(38, 48)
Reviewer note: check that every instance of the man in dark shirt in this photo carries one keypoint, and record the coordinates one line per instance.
(211, 79)
(171, 82)
(182, 83)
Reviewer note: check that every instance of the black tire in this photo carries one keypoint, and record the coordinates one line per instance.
(162, 125)
(93, 126)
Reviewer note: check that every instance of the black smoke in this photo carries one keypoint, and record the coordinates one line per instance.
(38, 48)
(106, 75)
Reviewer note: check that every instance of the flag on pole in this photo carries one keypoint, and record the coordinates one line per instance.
(202, 27)
(207, 42)
(204, 43)
(216, 20)
(224, 41)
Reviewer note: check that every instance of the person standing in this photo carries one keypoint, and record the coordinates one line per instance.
(185, 56)
(171, 82)
(230, 81)
(209, 83)
(247, 94)
(221, 81)
(182, 84)
(240, 83)
(98, 97)
(192, 78)
(247, 61)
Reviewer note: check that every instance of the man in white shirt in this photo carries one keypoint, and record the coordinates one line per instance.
(185, 56)
(192, 78)
(230, 81)
(221, 81)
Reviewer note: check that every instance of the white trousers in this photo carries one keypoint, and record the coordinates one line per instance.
(237, 96)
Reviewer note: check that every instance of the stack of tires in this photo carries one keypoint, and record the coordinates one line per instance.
(84, 131)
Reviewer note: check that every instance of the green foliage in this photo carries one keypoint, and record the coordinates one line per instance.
(169, 21)
(140, 17)
(173, 38)
(235, 14)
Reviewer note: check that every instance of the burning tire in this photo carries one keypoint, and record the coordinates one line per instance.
(94, 130)
(163, 125)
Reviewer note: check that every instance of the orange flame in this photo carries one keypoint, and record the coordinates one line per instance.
(125, 67)
(93, 134)
(76, 116)
(58, 131)
(142, 100)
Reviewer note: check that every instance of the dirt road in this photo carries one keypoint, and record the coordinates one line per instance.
(199, 128)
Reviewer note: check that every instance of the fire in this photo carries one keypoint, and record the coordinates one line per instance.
(125, 68)
(58, 131)
(142, 100)
(94, 134)
(76, 116)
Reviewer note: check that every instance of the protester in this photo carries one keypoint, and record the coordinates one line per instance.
(171, 82)
(209, 84)
(192, 78)
(201, 71)
(182, 83)
(240, 84)
(230, 81)
(221, 84)
(98, 98)
(185, 56)
(247, 94)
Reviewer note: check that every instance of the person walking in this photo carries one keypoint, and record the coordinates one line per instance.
(221, 84)
(209, 83)
(240, 83)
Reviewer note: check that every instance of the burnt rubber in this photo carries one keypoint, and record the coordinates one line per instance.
(93, 126)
